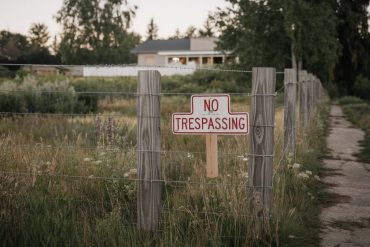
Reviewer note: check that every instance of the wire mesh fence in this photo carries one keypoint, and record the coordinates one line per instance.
(82, 157)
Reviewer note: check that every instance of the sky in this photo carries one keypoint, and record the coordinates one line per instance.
(18, 15)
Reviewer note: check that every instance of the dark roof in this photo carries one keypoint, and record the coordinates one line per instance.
(163, 45)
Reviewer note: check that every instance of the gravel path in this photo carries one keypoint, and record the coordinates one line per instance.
(345, 218)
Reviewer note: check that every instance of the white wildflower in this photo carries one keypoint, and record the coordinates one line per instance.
(291, 236)
(317, 177)
(126, 174)
(302, 175)
(308, 172)
(87, 159)
(48, 163)
(245, 159)
(97, 162)
(190, 155)
(102, 154)
(296, 166)
(244, 174)
(91, 176)
(133, 171)
(228, 175)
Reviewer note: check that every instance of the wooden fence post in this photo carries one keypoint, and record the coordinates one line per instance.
(303, 111)
(290, 95)
(261, 149)
(148, 150)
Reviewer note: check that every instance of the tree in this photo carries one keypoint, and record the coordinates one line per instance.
(38, 35)
(12, 45)
(263, 33)
(208, 29)
(254, 32)
(95, 31)
(177, 35)
(152, 30)
(190, 32)
(354, 37)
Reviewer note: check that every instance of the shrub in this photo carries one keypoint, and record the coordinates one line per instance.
(31, 96)
(361, 88)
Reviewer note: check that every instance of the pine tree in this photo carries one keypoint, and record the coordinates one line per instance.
(152, 31)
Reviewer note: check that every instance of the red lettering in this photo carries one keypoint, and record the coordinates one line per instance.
(241, 123)
(184, 122)
(191, 123)
(218, 124)
(178, 122)
(224, 125)
(210, 123)
(197, 126)
(234, 123)
(207, 105)
(204, 121)
(214, 105)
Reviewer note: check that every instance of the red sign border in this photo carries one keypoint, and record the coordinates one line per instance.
(210, 133)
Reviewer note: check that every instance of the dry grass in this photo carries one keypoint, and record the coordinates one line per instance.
(75, 189)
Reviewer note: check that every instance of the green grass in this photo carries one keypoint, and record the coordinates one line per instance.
(60, 199)
(358, 112)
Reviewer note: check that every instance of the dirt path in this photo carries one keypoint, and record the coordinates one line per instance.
(346, 220)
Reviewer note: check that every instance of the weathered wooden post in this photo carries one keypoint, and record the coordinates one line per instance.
(212, 156)
(303, 111)
(290, 95)
(148, 150)
(261, 149)
(308, 83)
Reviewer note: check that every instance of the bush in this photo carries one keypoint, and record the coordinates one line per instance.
(361, 88)
(347, 100)
(29, 95)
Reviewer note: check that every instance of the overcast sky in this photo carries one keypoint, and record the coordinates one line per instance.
(18, 15)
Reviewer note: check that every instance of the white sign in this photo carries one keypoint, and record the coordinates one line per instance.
(210, 114)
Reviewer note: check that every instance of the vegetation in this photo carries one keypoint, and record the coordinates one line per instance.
(329, 38)
(70, 180)
(358, 112)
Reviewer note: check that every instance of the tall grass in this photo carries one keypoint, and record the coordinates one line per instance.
(63, 184)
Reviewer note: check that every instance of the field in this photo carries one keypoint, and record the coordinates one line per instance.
(68, 173)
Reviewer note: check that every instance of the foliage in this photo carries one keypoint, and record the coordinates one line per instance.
(28, 95)
(39, 35)
(265, 33)
(152, 30)
(354, 37)
(96, 31)
(358, 112)
(361, 87)
(86, 196)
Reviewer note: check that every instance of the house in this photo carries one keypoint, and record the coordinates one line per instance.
(192, 51)
(46, 70)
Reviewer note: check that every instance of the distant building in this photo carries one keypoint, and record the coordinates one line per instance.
(45, 70)
(198, 51)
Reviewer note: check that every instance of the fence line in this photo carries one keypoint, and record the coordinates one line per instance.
(261, 154)
(153, 67)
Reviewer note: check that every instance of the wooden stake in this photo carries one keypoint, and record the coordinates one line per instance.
(148, 150)
(261, 149)
(212, 156)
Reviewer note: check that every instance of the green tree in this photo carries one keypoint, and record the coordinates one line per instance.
(254, 32)
(267, 33)
(95, 31)
(190, 32)
(208, 29)
(12, 46)
(38, 35)
(177, 35)
(152, 30)
(354, 37)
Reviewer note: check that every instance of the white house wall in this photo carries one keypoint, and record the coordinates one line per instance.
(151, 59)
(116, 71)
